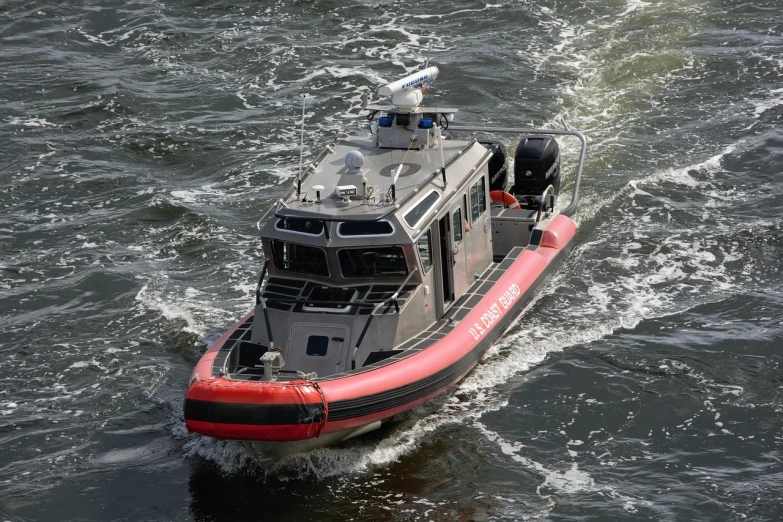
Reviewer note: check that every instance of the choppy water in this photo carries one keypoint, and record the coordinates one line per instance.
(142, 140)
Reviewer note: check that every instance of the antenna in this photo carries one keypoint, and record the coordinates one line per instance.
(429, 49)
(442, 158)
(301, 152)
(394, 182)
(399, 169)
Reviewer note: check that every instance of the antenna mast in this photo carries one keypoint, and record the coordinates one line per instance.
(301, 152)
(440, 136)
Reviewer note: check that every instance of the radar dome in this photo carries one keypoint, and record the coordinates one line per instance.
(354, 161)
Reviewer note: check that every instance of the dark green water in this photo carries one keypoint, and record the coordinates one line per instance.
(141, 141)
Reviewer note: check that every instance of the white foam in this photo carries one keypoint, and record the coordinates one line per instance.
(129, 456)
(230, 456)
(196, 196)
(91, 38)
(31, 122)
(763, 106)
(171, 311)
(461, 11)
(634, 5)
(570, 481)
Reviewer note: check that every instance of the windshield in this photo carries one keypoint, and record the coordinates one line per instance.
(373, 262)
(302, 226)
(365, 228)
(299, 258)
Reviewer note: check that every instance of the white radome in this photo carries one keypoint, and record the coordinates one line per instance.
(408, 99)
(354, 161)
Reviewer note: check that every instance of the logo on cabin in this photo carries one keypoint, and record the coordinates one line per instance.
(416, 82)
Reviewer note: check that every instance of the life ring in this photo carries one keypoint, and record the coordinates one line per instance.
(508, 200)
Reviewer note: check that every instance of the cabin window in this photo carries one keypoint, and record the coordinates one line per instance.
(457, 226)
(421, 208)
(373, 262)
(299, 258)
(424, 246)
(365, 228)
(317, 345)
(311, 227)
(478, 200)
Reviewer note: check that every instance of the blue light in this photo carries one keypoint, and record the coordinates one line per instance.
(385, 121)
(425, 123)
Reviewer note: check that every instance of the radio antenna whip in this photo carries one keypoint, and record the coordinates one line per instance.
(442, 158)
(301, 152)
(429, 49)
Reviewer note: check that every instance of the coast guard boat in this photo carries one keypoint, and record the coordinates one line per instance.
(396, 260)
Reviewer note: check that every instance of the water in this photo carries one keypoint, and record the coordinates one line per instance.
(141, 142)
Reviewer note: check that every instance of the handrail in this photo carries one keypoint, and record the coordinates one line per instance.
(261, 281)
(394, 296)
(317, 302)
(543, 202)
(262, 301)
(279, 203)
(314, 302)
(570, 210)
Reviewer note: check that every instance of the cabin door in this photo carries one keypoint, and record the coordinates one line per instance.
(446, 260)
(315, 347)
(459, 251)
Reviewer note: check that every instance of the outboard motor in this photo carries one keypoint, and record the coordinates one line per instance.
(536, 166)
(498, 166)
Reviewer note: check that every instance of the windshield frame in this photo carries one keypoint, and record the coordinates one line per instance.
(356, 261)
(277, 258)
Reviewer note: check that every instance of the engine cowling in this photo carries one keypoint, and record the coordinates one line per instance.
(536, 166)
(497, 164)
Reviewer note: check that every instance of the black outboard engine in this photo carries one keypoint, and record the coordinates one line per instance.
(498, 166)
(536, 166)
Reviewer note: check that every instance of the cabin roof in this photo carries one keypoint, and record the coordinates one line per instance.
(420, 169)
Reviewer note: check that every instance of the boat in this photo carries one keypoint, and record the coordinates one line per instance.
(396, 259)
